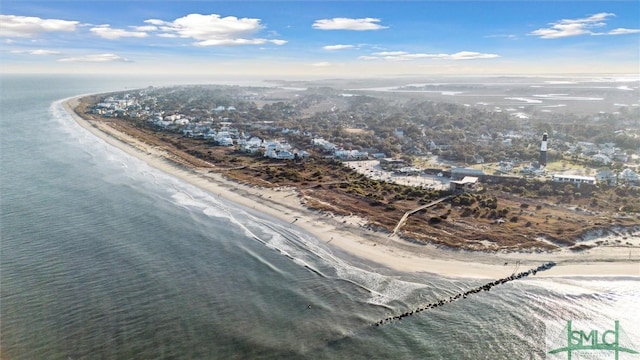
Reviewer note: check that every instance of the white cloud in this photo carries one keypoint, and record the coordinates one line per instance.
(583, 26)
(96, 58)
(145, 28)
(596, 18)
(390, 53)
(348, 24)
(213, 30)
(505, 36)
(233, 42)
(406, 56)
(561, 30)
(321, 64)
(623, 31)
(471, 55)
(156, 22)
(27, 26)
(106, 32)
(44, 52)
(337, 47)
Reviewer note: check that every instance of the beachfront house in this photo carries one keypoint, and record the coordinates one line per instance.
(601, 159)
(628, 175)
(223, 138)
(467, 184)
(324, 144)
(274, 149)
(606, 176)
(279, 154)
(252, 145)
(350, 155)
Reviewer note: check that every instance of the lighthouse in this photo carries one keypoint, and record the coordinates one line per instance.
(543, 151)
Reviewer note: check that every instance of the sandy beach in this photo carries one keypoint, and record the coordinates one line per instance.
(350, 235)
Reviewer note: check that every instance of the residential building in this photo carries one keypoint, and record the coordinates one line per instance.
(576, 179)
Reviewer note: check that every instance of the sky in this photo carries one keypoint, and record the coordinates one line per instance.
(320, 38)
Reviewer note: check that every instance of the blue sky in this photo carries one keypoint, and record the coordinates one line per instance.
(320, 38)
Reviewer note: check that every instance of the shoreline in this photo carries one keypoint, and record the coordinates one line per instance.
(349, 235)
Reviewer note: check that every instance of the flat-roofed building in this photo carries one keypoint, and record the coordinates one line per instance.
(467, 184)
(576, 179)
(460, 173)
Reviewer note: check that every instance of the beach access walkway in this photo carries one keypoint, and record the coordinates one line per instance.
(411, 212)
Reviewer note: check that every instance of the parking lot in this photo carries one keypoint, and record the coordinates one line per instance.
(372, 169)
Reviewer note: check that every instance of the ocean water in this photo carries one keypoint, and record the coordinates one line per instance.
(104, 257)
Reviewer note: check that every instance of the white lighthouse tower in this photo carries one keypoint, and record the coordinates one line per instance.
(543, 151)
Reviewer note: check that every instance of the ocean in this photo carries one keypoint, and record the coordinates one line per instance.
(105, 257)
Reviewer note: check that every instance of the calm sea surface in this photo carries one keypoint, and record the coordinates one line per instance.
(104, 257)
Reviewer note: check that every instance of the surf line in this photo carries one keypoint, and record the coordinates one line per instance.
(463, 295)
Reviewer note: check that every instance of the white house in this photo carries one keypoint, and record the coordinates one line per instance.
(468, 183)
(628, 175)
(279, 154)
(601, 158)
(324, 144)
(225, 141)
(606, 176)
(351, 155)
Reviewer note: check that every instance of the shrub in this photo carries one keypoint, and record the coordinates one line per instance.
(490, 203)
(466, 212)
(464, 199)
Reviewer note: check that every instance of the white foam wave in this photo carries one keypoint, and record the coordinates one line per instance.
(584, 287)
(307, 252)
(567, 97)
(193, 198)
(527, 100)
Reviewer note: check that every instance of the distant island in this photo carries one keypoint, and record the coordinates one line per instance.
(453, 175)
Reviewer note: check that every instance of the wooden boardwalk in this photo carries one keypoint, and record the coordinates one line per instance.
(410, 212)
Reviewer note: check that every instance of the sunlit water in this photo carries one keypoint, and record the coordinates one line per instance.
(104, 257)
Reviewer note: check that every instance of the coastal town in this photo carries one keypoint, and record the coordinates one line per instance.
(350, 153)
(346, 179)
